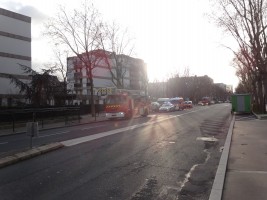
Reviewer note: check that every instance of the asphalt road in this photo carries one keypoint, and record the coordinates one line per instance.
(166, 156)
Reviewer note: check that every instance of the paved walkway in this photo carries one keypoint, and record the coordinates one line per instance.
(246, 174)
(242, 171)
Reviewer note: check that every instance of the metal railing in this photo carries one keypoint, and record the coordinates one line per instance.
(14, 118)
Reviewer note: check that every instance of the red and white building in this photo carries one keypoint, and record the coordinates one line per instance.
(134, 75)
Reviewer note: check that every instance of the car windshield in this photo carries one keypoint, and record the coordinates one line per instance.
(174, 101)
(167, 104)
(115, 99)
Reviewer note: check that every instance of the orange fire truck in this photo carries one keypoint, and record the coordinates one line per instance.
(126, 104)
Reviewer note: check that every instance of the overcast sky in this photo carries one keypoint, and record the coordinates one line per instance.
(169, 34)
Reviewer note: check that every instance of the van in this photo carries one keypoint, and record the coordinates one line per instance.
(162, 100)
(178, 102)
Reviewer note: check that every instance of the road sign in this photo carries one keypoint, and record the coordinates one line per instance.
(32, 129)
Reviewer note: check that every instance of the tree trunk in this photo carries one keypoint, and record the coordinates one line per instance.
(92, 94)
(255, 97)
(264, 82)
(261, 98)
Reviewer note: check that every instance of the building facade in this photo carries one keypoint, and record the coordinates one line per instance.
(229, 88)
(132, 75)
(221, 85)
(15, 50)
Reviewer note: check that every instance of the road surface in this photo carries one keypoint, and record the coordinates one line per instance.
(166, 156)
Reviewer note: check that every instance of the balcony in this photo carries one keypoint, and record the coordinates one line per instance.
(77, 85)
(77, 75)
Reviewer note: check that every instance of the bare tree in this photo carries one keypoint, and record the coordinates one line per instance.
(246, 72)
(59, 68)
(246, 21)
(118, 43)
(80, 31)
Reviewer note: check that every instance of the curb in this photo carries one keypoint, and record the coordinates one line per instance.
(217, 187)
(262, 116)
(9, 160)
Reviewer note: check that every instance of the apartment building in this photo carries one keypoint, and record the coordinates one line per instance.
(132, 73)
(15, 49)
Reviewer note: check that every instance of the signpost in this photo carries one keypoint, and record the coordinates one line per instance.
(32, 130)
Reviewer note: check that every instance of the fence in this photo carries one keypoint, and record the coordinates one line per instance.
(17, 118)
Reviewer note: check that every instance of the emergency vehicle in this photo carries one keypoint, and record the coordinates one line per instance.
(126, 104)
(178, 102)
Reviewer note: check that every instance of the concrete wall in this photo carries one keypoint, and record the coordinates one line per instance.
(15, 46)
(15, 49)
(15, 26)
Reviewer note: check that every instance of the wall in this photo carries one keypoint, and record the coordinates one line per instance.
(15, 49)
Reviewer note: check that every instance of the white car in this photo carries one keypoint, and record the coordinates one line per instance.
(200, 103)
(167, 106)
(155, 106)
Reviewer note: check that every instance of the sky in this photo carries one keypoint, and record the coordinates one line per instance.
(169, 35)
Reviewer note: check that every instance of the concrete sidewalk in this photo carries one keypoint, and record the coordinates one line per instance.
(246, 173)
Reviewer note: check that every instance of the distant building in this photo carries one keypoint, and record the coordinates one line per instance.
(134, 75)
(157, 90)
(221, 85)
(229, 88)
(15, 49)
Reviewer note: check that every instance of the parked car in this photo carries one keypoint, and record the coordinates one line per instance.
(200, 103)
(163, 100)
(167, 106)
(188, 104)
(155, 106)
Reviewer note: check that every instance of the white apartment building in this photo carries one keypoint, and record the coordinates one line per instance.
(134, 77)
(229, 88)
(15, 49)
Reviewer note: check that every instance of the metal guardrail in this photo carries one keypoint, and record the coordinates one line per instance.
(10, 111)
(13, 117)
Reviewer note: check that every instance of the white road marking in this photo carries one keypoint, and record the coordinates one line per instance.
(3, 143)
(208, 139)
(59, 133)
(80, 140)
